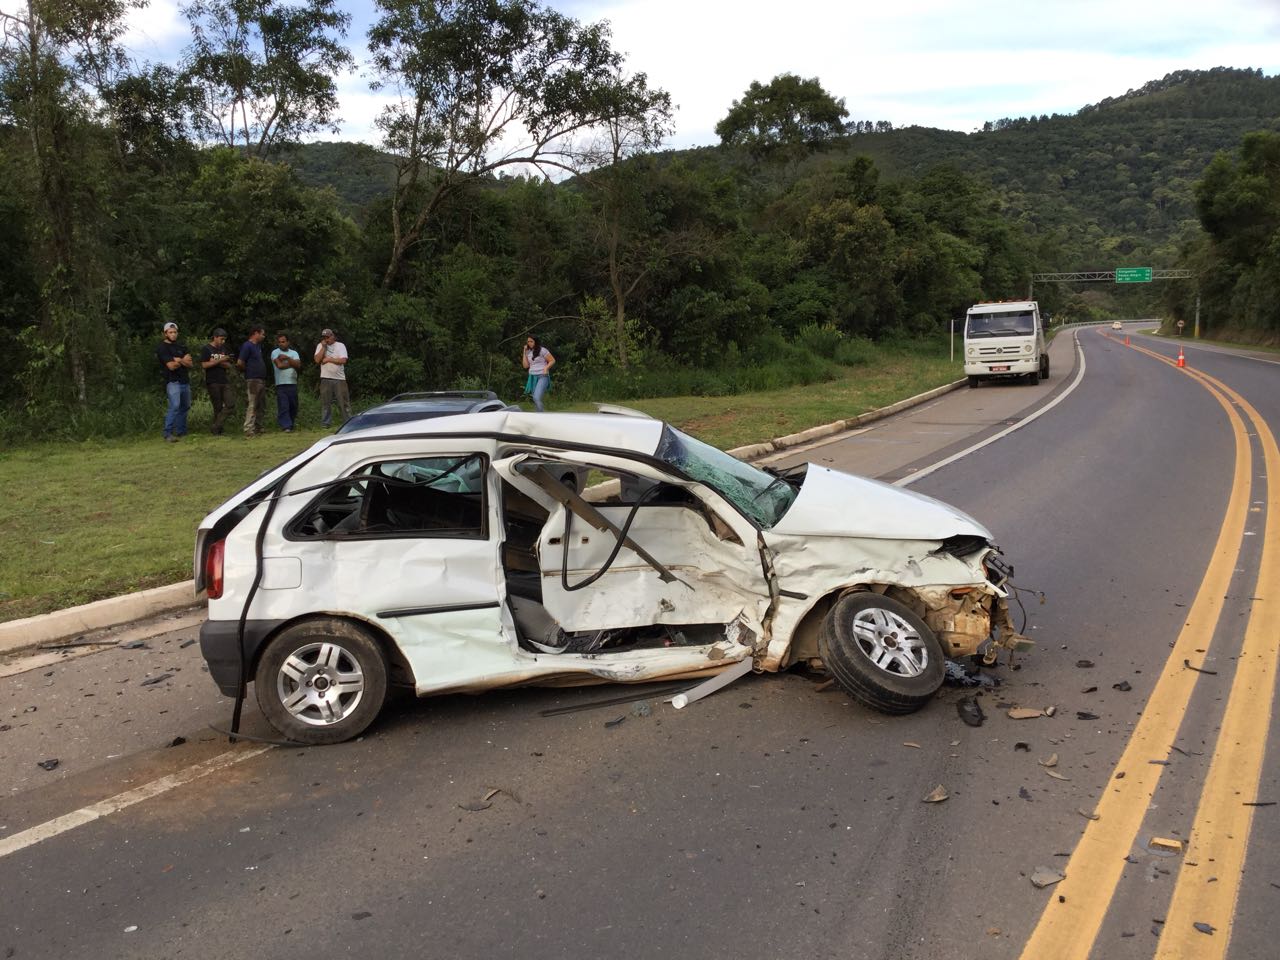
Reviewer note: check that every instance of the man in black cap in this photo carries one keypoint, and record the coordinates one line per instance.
(216, 362)
(176, 361)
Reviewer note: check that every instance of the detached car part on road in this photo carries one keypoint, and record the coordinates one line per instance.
(457, 554)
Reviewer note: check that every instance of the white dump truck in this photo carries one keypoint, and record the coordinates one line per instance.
(1004, 338)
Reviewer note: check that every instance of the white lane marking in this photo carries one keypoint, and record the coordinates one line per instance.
(912, 478)
(104, 808)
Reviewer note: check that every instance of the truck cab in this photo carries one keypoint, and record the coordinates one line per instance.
(1005, 338)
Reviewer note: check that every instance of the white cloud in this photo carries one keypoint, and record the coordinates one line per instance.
(157, 32)
(360, 108)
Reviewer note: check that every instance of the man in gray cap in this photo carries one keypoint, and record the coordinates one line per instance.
(216, 362)
(331, 354)
(176, 361)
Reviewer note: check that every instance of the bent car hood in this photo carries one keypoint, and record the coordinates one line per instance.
(835, 504)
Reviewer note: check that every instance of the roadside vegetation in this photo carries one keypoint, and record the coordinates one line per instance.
(97, 518)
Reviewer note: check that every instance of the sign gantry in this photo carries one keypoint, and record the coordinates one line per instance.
(1118, 275)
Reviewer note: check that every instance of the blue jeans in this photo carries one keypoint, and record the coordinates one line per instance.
(175, 418)
(542, 383)
(286, 405)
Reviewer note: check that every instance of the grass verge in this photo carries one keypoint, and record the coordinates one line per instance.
(96, 519)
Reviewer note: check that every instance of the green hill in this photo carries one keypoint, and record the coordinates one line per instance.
(358, 173)
(1118, 174)
(1113, 179)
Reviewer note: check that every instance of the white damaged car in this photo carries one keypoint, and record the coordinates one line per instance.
(457, 554)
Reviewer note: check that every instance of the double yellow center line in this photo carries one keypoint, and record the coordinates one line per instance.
(1072, 918)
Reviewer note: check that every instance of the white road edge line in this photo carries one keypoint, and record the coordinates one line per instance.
(912, 478)
(103, 808)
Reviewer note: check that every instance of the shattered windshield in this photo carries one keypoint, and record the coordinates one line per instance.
(1006, 324)
(761, 497)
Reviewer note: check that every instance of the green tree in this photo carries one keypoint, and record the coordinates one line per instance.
(256, 244)
(488, 84)
(860, 249)
(53, 56)
(631, 244)
(151, 110)
(265, 70)
(1238, 200)
(788, 115)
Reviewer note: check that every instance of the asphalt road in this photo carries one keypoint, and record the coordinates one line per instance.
(773, 819)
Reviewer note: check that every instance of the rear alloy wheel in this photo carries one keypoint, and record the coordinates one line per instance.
(322, 681)
(881, 653)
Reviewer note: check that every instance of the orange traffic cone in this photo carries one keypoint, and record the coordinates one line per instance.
(1126, 339)
(1182, 361)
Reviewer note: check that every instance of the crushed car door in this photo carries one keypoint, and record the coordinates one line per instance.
(657, 550)
(407, 543)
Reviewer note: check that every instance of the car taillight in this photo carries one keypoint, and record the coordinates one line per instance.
(213, 569)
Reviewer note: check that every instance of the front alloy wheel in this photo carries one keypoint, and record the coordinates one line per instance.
(322, 681)
(881, 652)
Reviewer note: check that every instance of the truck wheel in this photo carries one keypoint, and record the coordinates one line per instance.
(881, 653)
(321, 681)
(1044, 366)
(973, 381)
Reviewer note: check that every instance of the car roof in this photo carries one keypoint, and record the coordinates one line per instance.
(606, 431)
(625, 433)
(418, 406)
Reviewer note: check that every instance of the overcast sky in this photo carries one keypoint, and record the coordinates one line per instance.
(936, 63)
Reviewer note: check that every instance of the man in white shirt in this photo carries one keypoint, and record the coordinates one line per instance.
(332, 357)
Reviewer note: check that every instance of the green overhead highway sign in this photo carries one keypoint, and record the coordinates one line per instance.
(1133, 274)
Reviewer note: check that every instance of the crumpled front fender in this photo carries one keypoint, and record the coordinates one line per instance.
(953, 596)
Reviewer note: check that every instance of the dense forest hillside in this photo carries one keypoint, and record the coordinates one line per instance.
(1199, 94)
(1113, 180)
(357, 173)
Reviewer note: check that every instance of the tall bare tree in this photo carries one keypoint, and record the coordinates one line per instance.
(485, 84)
(625, 220)
(265, 70)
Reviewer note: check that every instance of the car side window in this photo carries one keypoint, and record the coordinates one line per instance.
(423, 497)
(610, 488)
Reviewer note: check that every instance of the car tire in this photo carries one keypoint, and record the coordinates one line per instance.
(861, 643)
(321, 681)
(973, 381)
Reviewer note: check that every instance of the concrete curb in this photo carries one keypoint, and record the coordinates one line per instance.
(754, 451)
(28, 632)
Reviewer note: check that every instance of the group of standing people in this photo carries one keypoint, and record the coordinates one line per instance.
(284, 362)
(217, 361)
